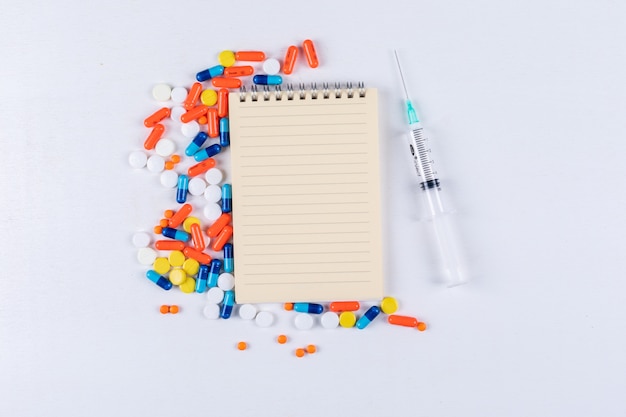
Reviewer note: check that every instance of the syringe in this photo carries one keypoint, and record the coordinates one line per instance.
(453, 270)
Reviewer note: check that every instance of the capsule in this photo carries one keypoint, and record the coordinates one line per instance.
(154, 136)
(339, 306)
(240, 71)
(218, 225)
(214, 272)
(199, 256)
(196, 236)
(310, 54)
(203, 276)
(175, 234)
(221, 239)
(227, 198)
(222, 102)
(169, 245)
(308, 308)
(213, 123)
(196, 144)
(156, 117)
(367, 318)
(224, 132)
(229, 261)
(262, 79)
(192, 96)
(207, 152)
(209, 73)
(201, 167)
(180, 216)
(403, 321)
(183, 188)
(226, 82)
(194, 113)
(250, 56)
(159, 280)
(228, 303)
(290, 59)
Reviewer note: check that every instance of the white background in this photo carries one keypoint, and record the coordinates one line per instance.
(525, 104)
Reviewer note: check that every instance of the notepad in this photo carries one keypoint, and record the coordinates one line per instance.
(306, 195)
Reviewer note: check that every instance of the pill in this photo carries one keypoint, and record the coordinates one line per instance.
(329, 320)
(224, 132)
(215, 295)
(169, 179)
(154, 136)
(196, 143)
(169, 245)
(164, 309)
(161, 92)
(227, 304)
(180, 216)
(271, 66)
(339, 306)
(214, 272)
(197, 186)
(226, 58)
(389, 305)
(177, 111)
(190, 129)
(169, 165)
(290, 59)
(188, 286)
(209, 73)
(175, 234)
(137, 159)
(347, 319)
(247, 311)
(175, 158)
(264, 319)
(208, 97)
(229, 264)
(203, 120)
(158, 230)
(226, 281)
(141, 239)
(163, 223)
(300, 352)
(211, 311)
(213, 193)
(161, 266)
(165, 147)
(421, 326)
(212, 211)
(222, 238)
(367, 318)
(156, 117)
(146, 256)
(207, 152)
(227, 198)
(308, 308)
(282, 339)
(194, 113)
(155, 163)
(303, 321)
(188, 222)
(196, 237)
(310, 54)
(213, 126)
(182, 188)
(179, 94)
(192, 96)
(203, 276)
(226, 82)
(311, 349)
(262, 79)
(288, 306)
(218, 225)
(402, 320)
(191, 266)
(214, 176)
(238, 71)
(242, 346)
(199, 256)
(178, 276)
(174, 309)
(249, 56)
(168, 213)
(201, 167)
(222, 102)
(176, 258)
(159, 280)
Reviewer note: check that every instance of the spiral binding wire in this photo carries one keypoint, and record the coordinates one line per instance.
(301, 90)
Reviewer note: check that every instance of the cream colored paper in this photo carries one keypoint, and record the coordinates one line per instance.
(306, 198)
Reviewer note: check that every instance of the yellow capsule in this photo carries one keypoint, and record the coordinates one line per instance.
(208, 97)
(226, 58)
(389, 305)
(347, 319)
(176, 258)
(178, 276)
(189, 286)
(161, 266)
(191, 266)
(188, 222)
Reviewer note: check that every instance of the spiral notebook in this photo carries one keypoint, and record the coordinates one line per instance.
(306, 194)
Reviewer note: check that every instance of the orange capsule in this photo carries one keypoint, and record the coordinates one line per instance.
(193, 96)
(154, 136)
(169, 245)
(157, 230)
(311, 349)
(199, 256)
(338, 306)
(282, 339)
(164, 309)
(226, 82)
(196, 236)
(175, 158)
(221, 239)
(174, 309)
(156, 117)
(300, 352)
(168, 214)
(201, 167)
(203, 120)
(214, 124)
(309, 52)
(194, 113)
(288, 306)
(238, 71)
(250, 56)
(222, 103)
(402, 320)
(218, 225)
(169, 165)
(164, 222)
(290, 59)
(180, 215)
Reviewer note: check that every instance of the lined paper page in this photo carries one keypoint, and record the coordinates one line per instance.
(306, 198)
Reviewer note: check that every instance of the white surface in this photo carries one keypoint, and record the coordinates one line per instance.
(141, 239)
(524, 102)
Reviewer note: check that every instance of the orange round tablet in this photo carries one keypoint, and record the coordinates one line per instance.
(288, 306)
(299, 352)
(311, 349)
(282, 339)
(174, 309)
(242, 345)
(164, 309)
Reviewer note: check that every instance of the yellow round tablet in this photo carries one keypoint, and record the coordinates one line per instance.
(347, 319)
(161, 266)
(176, 258)
(226, 58)
(208, 97)
(191, 266)
(178, 276)
(189, 221)
(389, 305)
(188, 286)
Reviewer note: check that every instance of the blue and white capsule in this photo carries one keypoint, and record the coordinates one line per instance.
(175, 234)
(224, 132)
(367, 318)
(182, 189)
(228, 303)
(196, 144)
(209, 73)
(207, 152)
(203, 276)
(262, 79)
(229, 261)
(311, 308)
(159, 280)
(227, 198)
(214, 272)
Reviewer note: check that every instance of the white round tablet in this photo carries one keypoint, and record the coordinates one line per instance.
(271, 66)
(190, 129)
(196, 186)
(264, 319)
(214, 176)
(329, 320)
(156, 163)
(165, 147)
(213, 193)
(176, 112)
(226, 281)
(137, 159)
(161, 92)
(211, 311)
(212, 211)
(179, 94)
(303, 321)
(215, 295)
(247, 311)
(141, 239)
(169, 179)
(146, 256)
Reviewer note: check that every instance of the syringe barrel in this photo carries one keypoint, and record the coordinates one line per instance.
(421, 156)
(453, 265)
